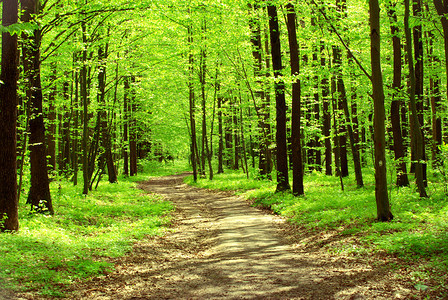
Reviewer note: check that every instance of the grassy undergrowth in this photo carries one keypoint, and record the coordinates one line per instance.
(418, 235)
(50, 252)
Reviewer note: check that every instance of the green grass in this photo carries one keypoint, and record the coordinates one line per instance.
(50, 252)
(418, 232)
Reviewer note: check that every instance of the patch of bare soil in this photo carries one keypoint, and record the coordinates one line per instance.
(219, 247)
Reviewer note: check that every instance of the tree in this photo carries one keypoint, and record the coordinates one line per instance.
(39, 195)
(416, 129)
(8, 114)
(297, 163)
(276, 54)
(381, 196)
(399, 150)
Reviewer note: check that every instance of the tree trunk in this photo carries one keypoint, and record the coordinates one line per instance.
(381, 195)
(192, 105)
(257, 53)
(105, 133)
(436, 99)
(297, 162)
(221, 137)
(281, 153)
(442, 10)
(85, 117)
(76, 129)
(415, 126)
(125, 126)
(419, 79)
(39, 195)
(9, 220)
(399, 150)
(133, 134)
(326, 128)
(340, 99)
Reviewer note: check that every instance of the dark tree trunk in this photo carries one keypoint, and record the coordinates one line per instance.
(125, 127)
(341, 99)
(257, 53)
(442, 10)
(9, 220)
(236, 136)
(105, 133)
(221, 137)
(326, 128)
(415, 125)
(76, 129)
(399, 150)
(282, 152)
(436, 99)
(355, 152)
(85, 116)
(192, 106)
(133, 134)
(381, 195)
(419, 79)
(39, 195)
(296, 145)
(316, 114)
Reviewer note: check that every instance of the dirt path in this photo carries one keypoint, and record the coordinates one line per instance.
(221, 248)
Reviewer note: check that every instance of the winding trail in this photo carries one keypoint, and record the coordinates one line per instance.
(222, 248)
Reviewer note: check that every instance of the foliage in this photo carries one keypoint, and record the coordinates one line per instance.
(50, 252)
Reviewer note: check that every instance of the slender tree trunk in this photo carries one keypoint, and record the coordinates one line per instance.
(39, 195)
(192, 106)
(297, 162)
(399, 150)
(442, 10)
(326, 128)
(355, 152)
(340, 98)
(260, 93)
(282, 153)
(381, 195)
(9, 220)
(105, 134)
(125, 127)
(133, 134)
(436, 99)
(221, 137)
(419, 73)
(415, 126)
(85, 116)
(76, 130)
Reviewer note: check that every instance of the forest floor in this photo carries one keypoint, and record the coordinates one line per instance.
(220, 247)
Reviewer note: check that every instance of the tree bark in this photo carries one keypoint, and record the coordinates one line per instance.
(133, 134)
(297, 162)
(282, 153)
(125, 126)
(105, 133)
(326, 128)
(191, 99)
(415, 125)
(399, 150)
(442, 9)
(39, 195)
(85, 117)
(9, 220)
(381, 195)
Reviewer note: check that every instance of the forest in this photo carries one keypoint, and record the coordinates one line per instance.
(330, 113)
